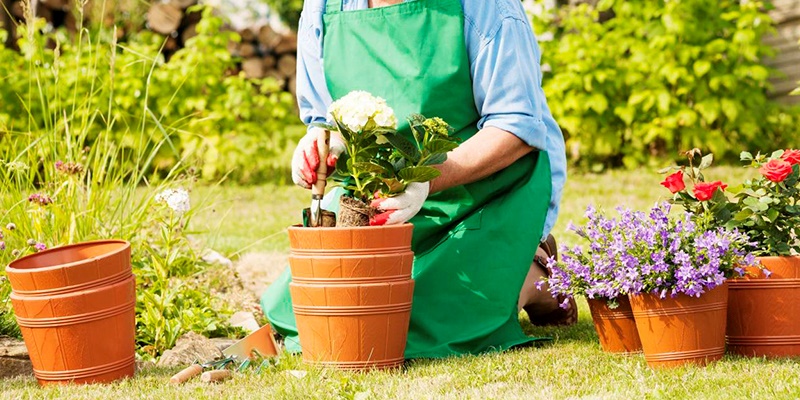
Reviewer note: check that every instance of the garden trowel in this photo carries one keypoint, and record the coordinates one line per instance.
(260, 343)
(318, 190)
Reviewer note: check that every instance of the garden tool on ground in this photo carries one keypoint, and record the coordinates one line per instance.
(260, 343)
(217, 373)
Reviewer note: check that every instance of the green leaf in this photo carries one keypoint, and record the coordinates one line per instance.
(436, 159)
(324, 125)
(745, 156)
(436, 146)
(394, 185)
(368, 167)
(743, 215)
(701, 67)
(405, 147)
(418, 174)
(706, 161)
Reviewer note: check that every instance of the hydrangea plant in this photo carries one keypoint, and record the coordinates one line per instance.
(378, 159)
(647, 253)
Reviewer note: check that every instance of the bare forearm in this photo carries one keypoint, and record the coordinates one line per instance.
(488, 151)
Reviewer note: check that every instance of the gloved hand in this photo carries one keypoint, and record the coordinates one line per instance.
(401, 208)
(305, 159)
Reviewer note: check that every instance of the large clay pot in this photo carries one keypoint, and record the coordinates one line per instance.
(616, 327)
(681, 330)
(351, 293)
(75, 306)
(764, 313)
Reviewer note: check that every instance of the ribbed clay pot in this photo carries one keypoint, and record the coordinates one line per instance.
(75, 306)
(351, 293)
(681, 330)
(764, 313)
(616, 327)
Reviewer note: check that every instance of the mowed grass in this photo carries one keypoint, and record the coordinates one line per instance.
(571, 366)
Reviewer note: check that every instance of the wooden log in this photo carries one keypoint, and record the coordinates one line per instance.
(268, 38)
(247, 50)
(188, 33)
(253, 68)
(164, 18)
(191, 18)
(183, 4)
(269, 62)
(62, 5)
(17, 11)
(233, 48)
(291, 85)
(287, 65)
(171, 44)
(247, 35)
(288, 44)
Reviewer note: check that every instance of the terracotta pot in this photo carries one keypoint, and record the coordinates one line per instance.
(681, 330)
(616, 328)
(355, 326)
(83, 330)
(764, 313)
(351, 293)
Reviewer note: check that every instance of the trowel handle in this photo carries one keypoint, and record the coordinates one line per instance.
(323, 148)
(215, 375)
(186, 374)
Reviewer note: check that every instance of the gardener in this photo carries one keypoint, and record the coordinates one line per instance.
(475, 64)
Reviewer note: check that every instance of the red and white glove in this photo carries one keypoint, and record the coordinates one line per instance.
(305, 159)
(401, 208)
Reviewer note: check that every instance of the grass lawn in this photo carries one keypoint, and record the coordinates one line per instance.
(572, 366)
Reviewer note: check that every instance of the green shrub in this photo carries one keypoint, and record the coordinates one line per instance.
(288, 10)
(657, 77)
(231, 126)
(76, 164)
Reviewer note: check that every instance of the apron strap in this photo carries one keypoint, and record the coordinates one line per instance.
(333, 6)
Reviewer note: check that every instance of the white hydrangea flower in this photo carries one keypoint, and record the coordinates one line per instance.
(176, 199)
(358, 108)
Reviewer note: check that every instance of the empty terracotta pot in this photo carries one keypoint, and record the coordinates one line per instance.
(681, 330)
(616, 327)
(351, 293)
(75, 306)
(764, 313)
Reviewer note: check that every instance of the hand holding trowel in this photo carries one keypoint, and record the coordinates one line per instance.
(315, 216)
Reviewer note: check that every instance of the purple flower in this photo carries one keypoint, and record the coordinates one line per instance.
(40, 246)
(40, 199)
(2, 245)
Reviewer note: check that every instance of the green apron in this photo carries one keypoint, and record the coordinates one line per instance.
(474, 244)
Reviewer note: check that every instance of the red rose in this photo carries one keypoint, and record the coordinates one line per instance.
(791, 156)
(776, 170)
(705, 190)
(674, 182)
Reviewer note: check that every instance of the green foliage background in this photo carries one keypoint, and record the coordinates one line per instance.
(634, 81)
(232, 126)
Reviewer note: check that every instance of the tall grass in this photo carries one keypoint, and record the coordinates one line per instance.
(80, 170)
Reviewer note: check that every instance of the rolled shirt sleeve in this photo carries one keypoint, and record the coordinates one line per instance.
(313, 98)
(507, 83)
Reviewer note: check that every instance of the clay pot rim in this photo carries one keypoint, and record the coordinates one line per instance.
(325, 285)
(94, 290)
(11, 269)
(299, 227)
(776, 257)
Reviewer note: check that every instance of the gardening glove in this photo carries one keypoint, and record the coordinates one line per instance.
(401, 208)
(305, 159)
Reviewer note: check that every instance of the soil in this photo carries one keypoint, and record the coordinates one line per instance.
(353, 212)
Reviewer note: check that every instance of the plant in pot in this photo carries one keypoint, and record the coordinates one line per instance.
(675, 273)
(599, 274)
(351, 284)
(762, 312)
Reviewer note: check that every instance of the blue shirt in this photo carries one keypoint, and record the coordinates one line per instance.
(506, 77)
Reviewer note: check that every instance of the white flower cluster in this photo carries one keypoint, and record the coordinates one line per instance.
(358, 108)
(176, 199)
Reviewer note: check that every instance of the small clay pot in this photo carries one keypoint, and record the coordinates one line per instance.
(764, 313)
(75, 306)
(681, 330)
(615, 327)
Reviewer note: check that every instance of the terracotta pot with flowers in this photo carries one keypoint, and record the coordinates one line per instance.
(674, 271)
(351, 284)
(598, 273)
(764, 315)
